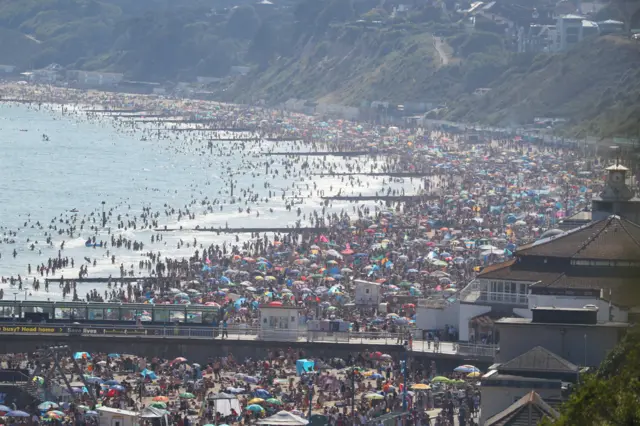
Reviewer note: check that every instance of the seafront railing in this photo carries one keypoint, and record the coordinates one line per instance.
(240, 333)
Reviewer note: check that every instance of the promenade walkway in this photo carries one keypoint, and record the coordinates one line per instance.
(154, 332)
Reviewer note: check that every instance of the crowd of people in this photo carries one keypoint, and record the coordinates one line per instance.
(475, 201)
(359, 390)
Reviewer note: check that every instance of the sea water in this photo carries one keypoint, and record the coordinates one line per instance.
(84, 163)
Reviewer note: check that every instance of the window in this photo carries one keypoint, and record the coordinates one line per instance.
(367, 291)
(283, 322)
(523, 288)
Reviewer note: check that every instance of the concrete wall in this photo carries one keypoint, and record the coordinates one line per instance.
(565, 340)
(496, 399)
(437, 318)
(197, 350)
(467, 312)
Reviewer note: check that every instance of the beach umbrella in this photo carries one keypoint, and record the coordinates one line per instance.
(112, 382)
(262, 393)
(57, 415)
(161, 398)
(161, 405)
(255, 401)
(178, 360)
(274, 401)
(187, 395)
(467, 368)
(420, 386)
(255, 408)
(17, 413)
(47, 405)
(118, 388)
(81, 355)
(474, 374)
(440, 379)
(4, 408)
(374, 396)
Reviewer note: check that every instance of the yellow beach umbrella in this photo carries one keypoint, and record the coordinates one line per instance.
(420, 386)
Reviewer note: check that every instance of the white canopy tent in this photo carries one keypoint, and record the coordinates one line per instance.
(224, 403)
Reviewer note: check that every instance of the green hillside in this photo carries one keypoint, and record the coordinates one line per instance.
(16, 48)
(347, 66)
(335, 51)
(596, 86)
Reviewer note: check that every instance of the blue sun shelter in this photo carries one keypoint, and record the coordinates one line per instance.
(304, 366)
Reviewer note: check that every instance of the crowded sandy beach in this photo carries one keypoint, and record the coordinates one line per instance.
(324, 202)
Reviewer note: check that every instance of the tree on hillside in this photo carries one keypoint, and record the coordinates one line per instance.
(611, 397)
(336, 11)
(243, 22)
(264, 45)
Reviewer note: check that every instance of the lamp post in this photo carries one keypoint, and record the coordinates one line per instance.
(353, 396)
(310, 398)
(585, 349)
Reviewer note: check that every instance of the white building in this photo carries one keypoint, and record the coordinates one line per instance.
(569, 31)
(367, 293)
(94, 78)
(115, 417)
(586, 266)
(278, 322)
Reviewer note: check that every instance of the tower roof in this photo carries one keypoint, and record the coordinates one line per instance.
(617, 167)
(528, 410)
(538, 359)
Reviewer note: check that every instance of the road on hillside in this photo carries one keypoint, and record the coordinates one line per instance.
(437, 43)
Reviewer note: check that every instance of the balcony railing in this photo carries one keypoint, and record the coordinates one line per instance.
(476, 292)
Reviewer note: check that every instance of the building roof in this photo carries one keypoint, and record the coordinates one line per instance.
(527, 411)
(538, 359)
(512, 271)
(494, 378)
(613, 238)
(617, 167)
(573, 17)
(529, 322)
